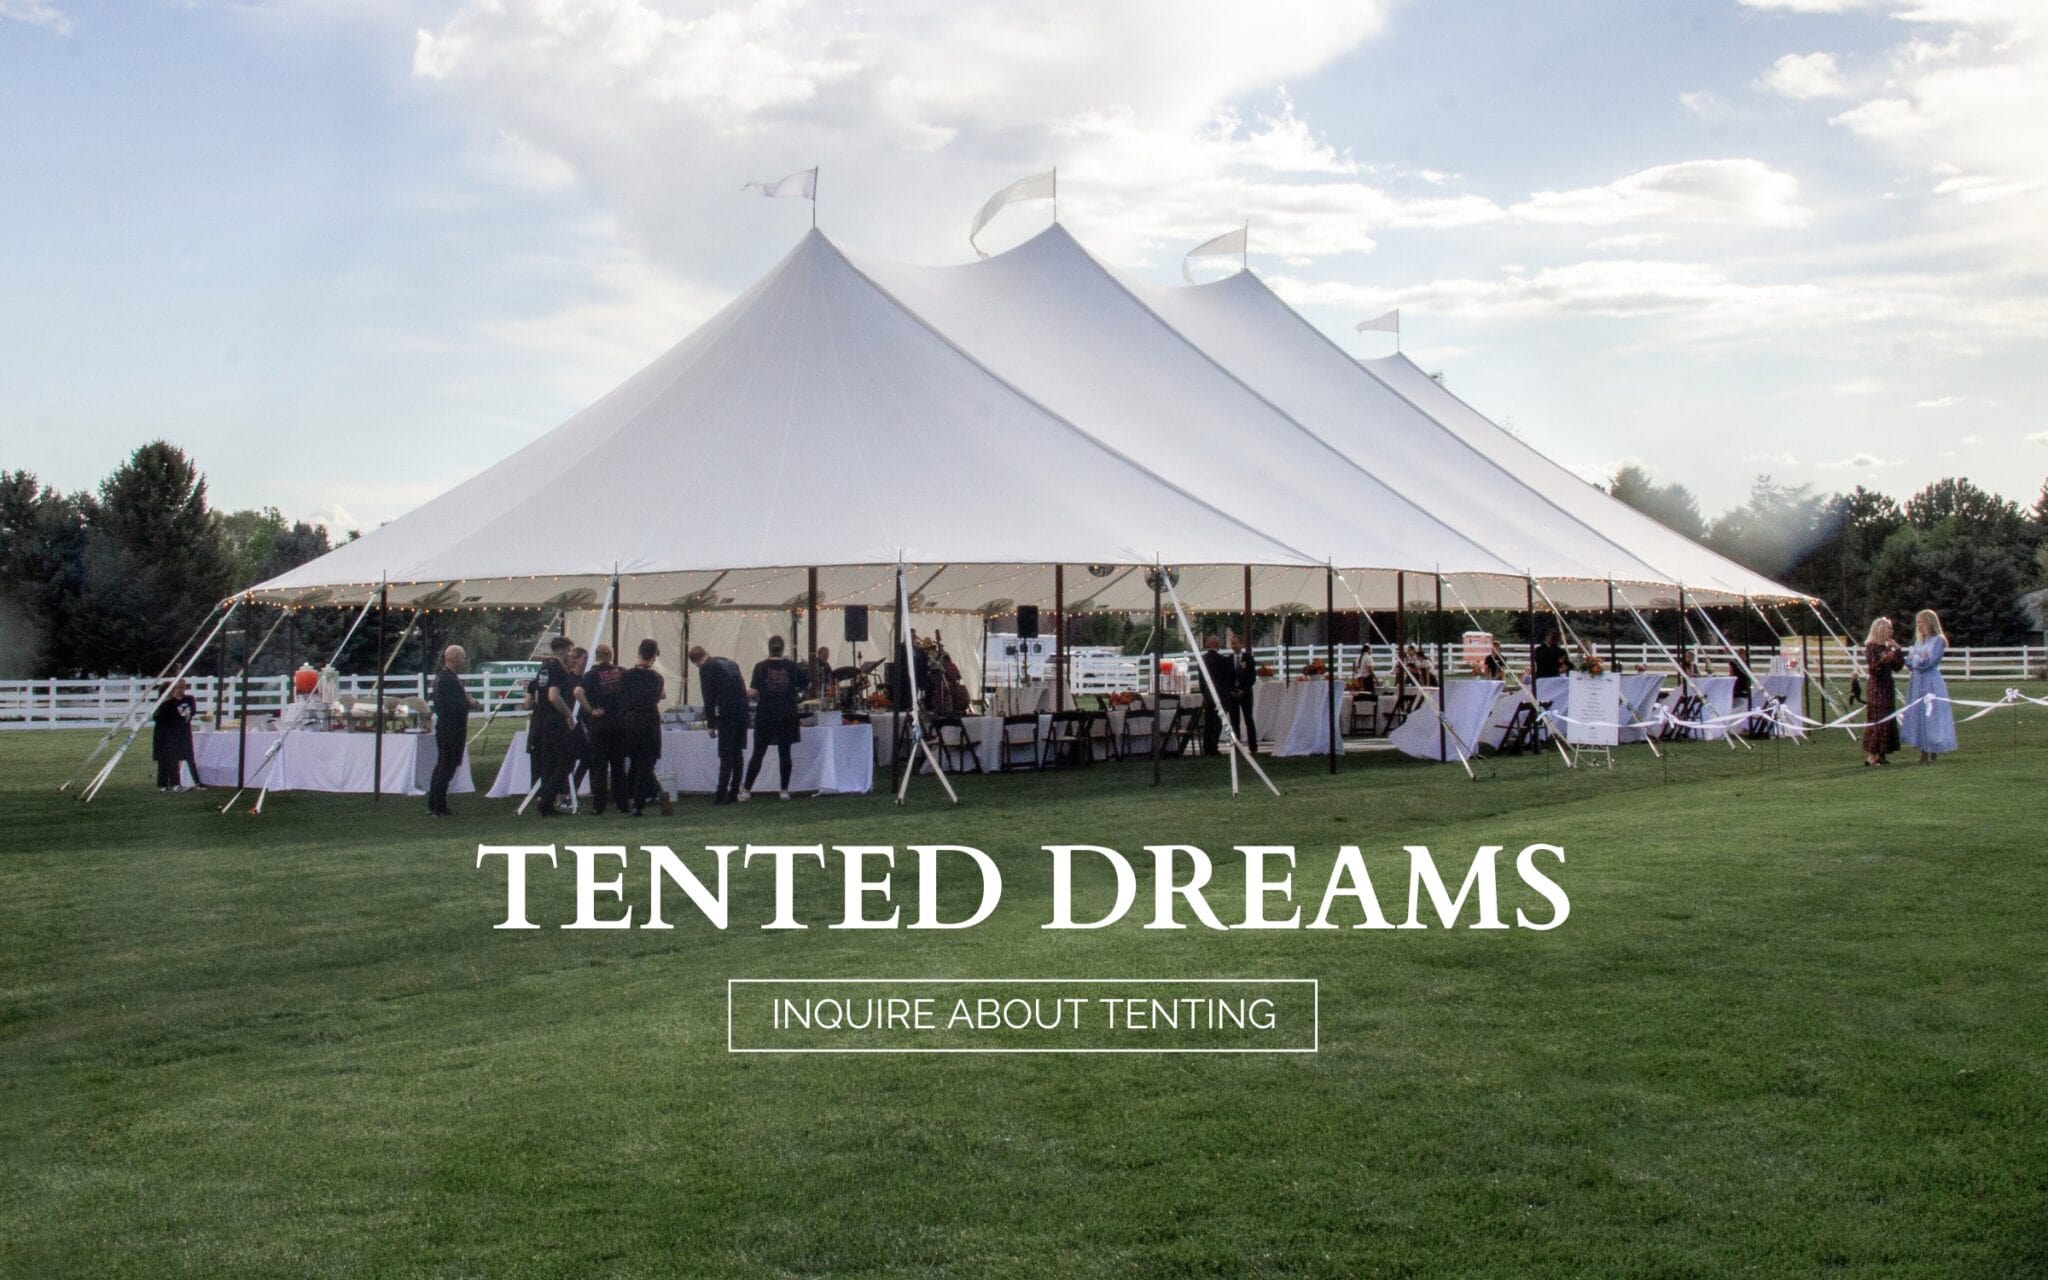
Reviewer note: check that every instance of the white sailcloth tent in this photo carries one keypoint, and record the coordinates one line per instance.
(1000, 426)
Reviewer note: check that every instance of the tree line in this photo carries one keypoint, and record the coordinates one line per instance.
(1968, 554)
(111, 581)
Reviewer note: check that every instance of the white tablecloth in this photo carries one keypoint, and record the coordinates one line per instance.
(1719, 692)
(1639, 694)
(1029, 699)
(326, 761)
(1791, 688)
(1470, 704)
(831, 760)
(1295, 716)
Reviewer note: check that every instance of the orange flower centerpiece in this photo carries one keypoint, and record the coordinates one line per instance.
(879, 700)
(1314, 670)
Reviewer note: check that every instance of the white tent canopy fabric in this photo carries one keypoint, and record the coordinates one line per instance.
(986, 425)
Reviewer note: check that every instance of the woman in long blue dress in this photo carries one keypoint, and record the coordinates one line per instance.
(1930, 726)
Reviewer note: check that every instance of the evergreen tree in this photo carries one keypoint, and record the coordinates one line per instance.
(1671, 505)
(155, 562)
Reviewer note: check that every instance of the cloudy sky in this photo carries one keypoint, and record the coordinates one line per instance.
(348, 252)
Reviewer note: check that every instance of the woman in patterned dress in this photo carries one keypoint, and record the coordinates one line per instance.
(1881, 657)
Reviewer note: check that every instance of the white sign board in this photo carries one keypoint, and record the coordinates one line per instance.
(1594, 710)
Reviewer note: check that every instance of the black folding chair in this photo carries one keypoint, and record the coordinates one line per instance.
(1020, 733)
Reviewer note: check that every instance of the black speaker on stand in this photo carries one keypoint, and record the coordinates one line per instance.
(856, 624)
(1027, 622)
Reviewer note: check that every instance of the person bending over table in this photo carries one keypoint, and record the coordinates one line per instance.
(725, 711)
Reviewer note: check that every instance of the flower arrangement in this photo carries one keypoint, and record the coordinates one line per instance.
(1264, 671)
(1313, 669)
(879, 700)
(1355, 684)
(1122, 699)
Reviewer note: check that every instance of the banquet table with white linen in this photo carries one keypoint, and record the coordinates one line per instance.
(318, 760)
(830, 759)
(1294, 716)
(1466, 710)
(1639, 692)
(1719, 694)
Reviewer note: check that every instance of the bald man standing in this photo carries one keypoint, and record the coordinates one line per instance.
(452, 705)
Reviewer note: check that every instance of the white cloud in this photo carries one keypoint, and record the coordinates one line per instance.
(37, 13)
(2039, 437)
(1943, 402)
(1741, 191)
(1862, 462)
(1706, 104)
(1860, 387)
(336, 519)
(1806, 6)
(1804, 76)
(1631, 243)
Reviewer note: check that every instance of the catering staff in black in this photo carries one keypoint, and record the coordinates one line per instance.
(170, 738)
(638, 734)
(1549, 658)
(1219, 673)
(777, 684)
(1247, 682)
(725, 710)
(598, 698)
(553, 729)
(452, 705)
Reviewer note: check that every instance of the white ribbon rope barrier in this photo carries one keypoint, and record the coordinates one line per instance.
(1685, 681)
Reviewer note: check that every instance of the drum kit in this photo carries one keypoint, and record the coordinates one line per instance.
(854, 684)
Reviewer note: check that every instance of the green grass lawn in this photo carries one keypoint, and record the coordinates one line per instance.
(1795, 1025)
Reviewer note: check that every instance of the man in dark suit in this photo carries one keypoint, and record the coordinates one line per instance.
(1219, 673)
(452, 705)
(725, 709)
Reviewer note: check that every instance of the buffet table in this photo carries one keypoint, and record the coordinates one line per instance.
(326, 761)
(830, 760)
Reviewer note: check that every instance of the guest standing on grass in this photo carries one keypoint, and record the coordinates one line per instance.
(597, 697)
(778, 684)
(553, 731)
(1881, 657)
(170, 738)
(641, 690)
(1219, 672)
(452, 705)
(1930, 726)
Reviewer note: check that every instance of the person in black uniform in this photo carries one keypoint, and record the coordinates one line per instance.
(452, 705)
(553, 730)
(1549, 658)
(1245, 684)
(170, 738)
(777, 684)
(598, 698)
(638, 734)
(1219, 673)
(725, 710)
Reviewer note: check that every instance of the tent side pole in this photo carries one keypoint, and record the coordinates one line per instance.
(377, 775)
(1059, 639)
(1682, 628)
(1330, 655)
(1443, 692)
(1805, 685)
(1745, 635)
(811, 613)
(1247, 641)
(1158, 655)
(1529, 594)
(1613, 652)
(1400, 636)
(241, 712)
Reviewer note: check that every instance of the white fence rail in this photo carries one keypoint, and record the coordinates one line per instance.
(85, 704)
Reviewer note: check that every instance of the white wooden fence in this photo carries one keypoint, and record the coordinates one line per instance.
(82, 704)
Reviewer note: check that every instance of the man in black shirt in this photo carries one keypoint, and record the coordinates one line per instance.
(725, 709)
(598, 697)
(641, 690)
(1549, 658)
(452, 705)
(553, 729)
(1219, 673)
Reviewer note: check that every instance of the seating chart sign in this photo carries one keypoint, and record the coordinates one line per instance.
(1593, 708)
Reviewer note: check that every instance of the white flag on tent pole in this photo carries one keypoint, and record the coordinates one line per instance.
(1388, 323)
(1039, 186)
(803, 183)
(1236, 242)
